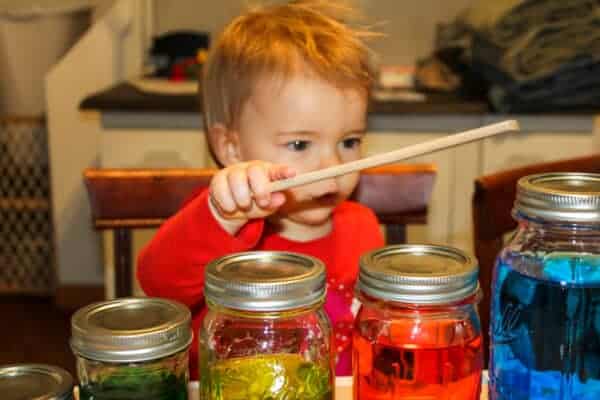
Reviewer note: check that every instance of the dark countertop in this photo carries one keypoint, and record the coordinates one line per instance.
(125, 97)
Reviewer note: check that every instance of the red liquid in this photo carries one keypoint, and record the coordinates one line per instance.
(417, 368)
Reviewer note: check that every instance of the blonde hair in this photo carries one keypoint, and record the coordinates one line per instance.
(279, 41)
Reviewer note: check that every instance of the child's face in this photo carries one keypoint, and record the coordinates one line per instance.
(307, 124)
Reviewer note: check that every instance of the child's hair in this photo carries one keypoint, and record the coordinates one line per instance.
(279, 41)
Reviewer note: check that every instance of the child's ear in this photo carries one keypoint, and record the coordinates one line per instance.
(225, 144)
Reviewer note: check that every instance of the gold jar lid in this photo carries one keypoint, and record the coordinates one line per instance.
(418, 274)
(35, 381)
(560, 197)
(131, 330)
(265, 281)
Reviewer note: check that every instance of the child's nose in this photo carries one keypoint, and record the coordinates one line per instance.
(329, 185)
(329, 161)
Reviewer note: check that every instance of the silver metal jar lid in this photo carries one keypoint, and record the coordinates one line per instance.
(418, 274)
(265, 281)
(131, 330)
(560, 196)
(35, 382)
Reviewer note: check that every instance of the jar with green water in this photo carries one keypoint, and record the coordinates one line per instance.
(132, 348)
(265, 336)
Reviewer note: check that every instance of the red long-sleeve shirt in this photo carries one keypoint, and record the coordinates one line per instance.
(172, 264)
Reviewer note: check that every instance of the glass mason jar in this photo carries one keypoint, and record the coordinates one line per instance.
(545, 322)
(35, 381)
(132, 348)
(265, 335)
(417, 333)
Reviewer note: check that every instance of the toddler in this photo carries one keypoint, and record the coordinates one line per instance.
(285, 91)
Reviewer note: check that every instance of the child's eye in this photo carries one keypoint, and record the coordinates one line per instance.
(298, 145)
(351, 143)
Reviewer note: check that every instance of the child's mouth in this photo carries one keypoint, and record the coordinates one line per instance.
(328, 199)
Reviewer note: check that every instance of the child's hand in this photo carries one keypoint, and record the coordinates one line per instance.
(240, 192)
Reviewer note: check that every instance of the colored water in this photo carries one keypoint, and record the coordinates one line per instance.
(445, 370)
(268, 377)
(546, 328)
(135, 384)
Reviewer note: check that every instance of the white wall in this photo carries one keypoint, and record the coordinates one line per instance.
(409, 25)
(101, 7)
(29, 47)
(74, 144)
(97, 61)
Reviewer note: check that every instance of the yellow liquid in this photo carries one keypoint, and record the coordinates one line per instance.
(268, 377)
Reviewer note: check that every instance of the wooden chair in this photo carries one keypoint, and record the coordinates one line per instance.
(125, 199)
(492, 205)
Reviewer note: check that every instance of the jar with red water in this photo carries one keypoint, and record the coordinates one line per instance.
(417, 333)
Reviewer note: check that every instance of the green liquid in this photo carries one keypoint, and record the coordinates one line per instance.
(136, 384)
(271, 377)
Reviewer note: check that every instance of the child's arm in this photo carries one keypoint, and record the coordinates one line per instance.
(172, 264)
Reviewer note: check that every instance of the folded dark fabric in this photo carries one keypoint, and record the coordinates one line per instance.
(542, 51)
(507, 21)
(533, 54)
(574, 86)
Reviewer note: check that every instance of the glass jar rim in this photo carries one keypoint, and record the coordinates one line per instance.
(472, 299)
(265, 314)
(562, 224)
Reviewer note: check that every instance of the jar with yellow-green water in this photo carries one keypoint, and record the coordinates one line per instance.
(265, 336)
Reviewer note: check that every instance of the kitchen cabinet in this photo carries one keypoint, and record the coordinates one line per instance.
(541, 139)
(135, 137)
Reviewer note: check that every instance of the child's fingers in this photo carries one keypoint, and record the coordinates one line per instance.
(237, 189)
(221, 194)
(278, 172)
(240, 188)
(277, 200)
(259, 183)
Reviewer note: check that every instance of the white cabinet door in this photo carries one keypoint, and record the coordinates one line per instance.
(436, 230)
(450, 212)
(153, 148)
(467, 167)
(524, 148)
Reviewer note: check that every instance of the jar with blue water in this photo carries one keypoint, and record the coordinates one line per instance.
(545, 329)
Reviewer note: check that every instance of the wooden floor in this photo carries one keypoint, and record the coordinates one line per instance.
(34, 330)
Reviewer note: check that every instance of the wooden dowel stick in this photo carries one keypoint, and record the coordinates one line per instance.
(397, 155)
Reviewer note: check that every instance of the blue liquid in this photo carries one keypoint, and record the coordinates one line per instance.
(546, 329)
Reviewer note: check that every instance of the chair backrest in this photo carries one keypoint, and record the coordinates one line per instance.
(123, 199)
(136, 198)
(140, 198)
(399, 195)
(492, 205)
